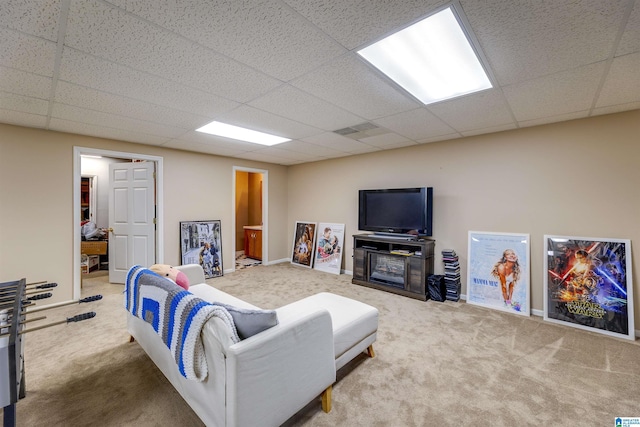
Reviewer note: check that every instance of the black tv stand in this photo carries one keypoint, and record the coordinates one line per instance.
(393, 264)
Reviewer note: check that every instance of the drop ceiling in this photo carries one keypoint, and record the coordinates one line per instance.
(151, 71)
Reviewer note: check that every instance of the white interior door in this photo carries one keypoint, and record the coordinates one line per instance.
(131, 218)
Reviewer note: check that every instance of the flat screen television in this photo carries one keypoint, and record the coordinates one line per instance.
(396, 211)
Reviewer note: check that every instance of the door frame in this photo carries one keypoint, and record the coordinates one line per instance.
(77, 169)
(265, 211)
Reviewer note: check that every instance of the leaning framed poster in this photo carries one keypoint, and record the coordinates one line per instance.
(304, 239)
(498, 271)
(588, 284)
(329, 247)
(201, 243)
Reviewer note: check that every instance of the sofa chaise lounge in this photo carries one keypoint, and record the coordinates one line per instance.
(268, 377)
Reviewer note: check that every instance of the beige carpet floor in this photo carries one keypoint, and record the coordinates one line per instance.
(436, 364)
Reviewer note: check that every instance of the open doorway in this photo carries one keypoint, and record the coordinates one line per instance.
(250, 217)
(96, 162)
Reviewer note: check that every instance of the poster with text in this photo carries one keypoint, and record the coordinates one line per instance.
(588, 284)
(329, 247)
(498, 271)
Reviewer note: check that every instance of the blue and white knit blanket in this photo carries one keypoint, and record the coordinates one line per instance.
(176, 315)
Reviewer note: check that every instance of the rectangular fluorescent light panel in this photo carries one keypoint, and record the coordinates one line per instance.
(242, 134)
(432, 59)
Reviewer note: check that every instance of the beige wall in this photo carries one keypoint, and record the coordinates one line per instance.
(576, 178)
(36, 201)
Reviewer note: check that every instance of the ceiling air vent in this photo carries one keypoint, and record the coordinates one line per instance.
(365, 126)
(361, 131)
(345, 131)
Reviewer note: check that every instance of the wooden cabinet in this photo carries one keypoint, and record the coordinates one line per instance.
(395, 265)
(253, 243)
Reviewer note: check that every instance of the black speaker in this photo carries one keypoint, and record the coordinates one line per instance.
(436, 287)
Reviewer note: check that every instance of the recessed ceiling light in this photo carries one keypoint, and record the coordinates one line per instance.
(432, 59)
(242, 134)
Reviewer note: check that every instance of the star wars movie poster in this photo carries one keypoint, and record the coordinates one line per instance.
(304, 239)
(588, 284)
(498, 271)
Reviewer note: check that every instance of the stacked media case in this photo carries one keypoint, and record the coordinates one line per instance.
(451, 274)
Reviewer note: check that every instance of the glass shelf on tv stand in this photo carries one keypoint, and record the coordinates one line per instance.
(395, 236)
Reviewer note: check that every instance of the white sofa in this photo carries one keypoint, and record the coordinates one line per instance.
(265, 379)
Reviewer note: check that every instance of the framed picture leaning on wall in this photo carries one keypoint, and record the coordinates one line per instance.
(329, 247)
(201, 243)
(498, 271)
(588, 284)
(304, 239)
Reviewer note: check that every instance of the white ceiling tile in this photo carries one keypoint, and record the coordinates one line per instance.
(338, 142)
(616, 108)
(416, 124)
(557, 94)
(439, 138)
(529, 39)
(287, 154)
(269, 36)
(334, 141)
(36, 17)
(14, 117)
(291, 102)
(354, 86)
(80, 96)
(555, 118)
(313, 149)
(262, 121)
(363, 148)
(23, 83)
(104, 132)
(356, 22)
(160, 52)
(336, 154)
(261, 156)
(27, 53)
(476, 111)
(218, 141)
(97, 118)
(492, 129)
(202, 148)
(388, 140)
(622, 83)
(630, 40)
(24, 104)
(151, 71)
(85, 70)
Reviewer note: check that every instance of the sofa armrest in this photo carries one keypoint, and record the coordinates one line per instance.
(194, 273)
(274, 374)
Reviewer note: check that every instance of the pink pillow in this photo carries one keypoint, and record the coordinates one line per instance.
(171, 273)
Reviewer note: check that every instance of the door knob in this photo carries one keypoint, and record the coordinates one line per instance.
(110, 230)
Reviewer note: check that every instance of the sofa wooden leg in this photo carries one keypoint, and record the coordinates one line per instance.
(326, 399)
(370, 351)
(131, 338)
